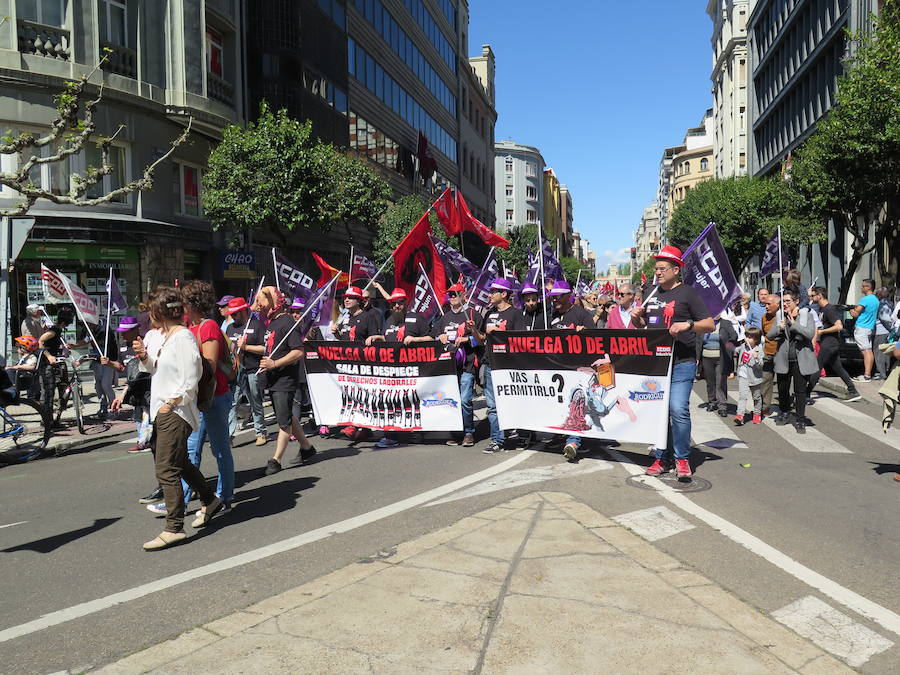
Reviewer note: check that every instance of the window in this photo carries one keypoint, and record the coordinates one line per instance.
(530, 192)
(186, 189)
(214, 52)
(510, 215)
(509, 165)
(531, 216)
(704, 164)
(509, 190)
(47, 12)
(112, 181)
(530, 169)
(113, 22)
(686, 168)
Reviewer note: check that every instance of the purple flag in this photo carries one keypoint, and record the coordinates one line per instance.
(769, 263)
(116, 300)
(454, 259)
(707, 269)
(363, 268)
(292, 280)
(552, 269)
(424, 302)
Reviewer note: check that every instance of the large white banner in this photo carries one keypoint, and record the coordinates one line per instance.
(388, 386)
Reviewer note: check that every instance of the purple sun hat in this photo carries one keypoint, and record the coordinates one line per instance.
(127, 323)
(561, 288)
(501, 284)
(298, 303)
(528, 287)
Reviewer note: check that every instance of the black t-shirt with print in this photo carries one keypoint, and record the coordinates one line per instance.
(453, 325)
(681, 303)
(256, 333)
(287, 377)
(507, 319)
(830, 316)
(398, 328)
(534, 321)
(359, 326)
(574, 317)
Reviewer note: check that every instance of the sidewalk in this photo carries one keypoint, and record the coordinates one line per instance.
(539, 584)
(114, 428)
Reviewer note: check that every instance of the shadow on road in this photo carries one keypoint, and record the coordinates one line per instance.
(58, 540)
(262, 501)
(884, 467)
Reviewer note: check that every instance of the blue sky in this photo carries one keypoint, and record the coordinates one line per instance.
(601, 87)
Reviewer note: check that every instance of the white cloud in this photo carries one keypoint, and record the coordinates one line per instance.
(608, 257)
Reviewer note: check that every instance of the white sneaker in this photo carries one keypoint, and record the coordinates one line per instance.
(159, 508)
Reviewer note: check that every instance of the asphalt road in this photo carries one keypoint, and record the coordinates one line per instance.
(71, 528)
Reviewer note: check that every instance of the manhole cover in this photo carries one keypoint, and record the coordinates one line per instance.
(696, 484)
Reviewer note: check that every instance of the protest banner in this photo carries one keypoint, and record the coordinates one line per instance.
(388, 386)
(611, 384)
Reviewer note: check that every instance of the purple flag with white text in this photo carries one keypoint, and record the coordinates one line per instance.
(424, 302)
(116, 300)
(770, 258)
(708, 270)
(454, 259)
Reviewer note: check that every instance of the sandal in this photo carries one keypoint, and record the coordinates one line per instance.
(165, 540)
(206, 513)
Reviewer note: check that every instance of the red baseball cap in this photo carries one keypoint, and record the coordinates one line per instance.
(459, 288)
(671, 254)
(398, 294)
(235, 305)
(353, 292)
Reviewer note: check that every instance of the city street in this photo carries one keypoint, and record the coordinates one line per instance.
(773, 518)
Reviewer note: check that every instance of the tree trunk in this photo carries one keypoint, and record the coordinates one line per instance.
(859, 247)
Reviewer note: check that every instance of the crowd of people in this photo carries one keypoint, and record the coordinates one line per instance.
(190, 360)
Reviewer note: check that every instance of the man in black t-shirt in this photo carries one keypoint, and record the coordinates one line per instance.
(451, 330)
(247, 340)
(829, 337)
(280, 368)
(681, 310)
(500, 316)
(567, 315)
(360, 324)
(532, 307)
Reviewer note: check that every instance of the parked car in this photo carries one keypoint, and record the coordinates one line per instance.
(851, 357)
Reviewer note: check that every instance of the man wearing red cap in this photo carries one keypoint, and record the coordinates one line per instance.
(451, 330)
(679, 308)
(360, 324)
(247, 340)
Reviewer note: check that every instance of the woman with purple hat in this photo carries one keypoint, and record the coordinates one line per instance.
(137, 385)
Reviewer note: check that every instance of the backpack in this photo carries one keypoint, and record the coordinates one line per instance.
(137, 384)
(229, 363)
(206, 388)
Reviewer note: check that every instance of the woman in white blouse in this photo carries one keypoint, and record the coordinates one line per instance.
(173, 409)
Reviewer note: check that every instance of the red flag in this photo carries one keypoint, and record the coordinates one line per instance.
(643, 278)
(417, 248)
(328, 273)
(472, 224)
(445, 208)
(427, 163)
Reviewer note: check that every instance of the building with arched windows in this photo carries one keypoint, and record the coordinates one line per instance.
(693, 161)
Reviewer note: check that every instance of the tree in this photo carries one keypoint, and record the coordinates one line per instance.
(746, 211)
(646, 269)
(522, 242)
(70, 132)
(849, 168)
(396, 223)
(624, 269)
(571, 267)
(272, 175)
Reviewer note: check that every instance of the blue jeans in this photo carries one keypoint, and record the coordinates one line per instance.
(246, 385)
(576, 440)
(215, 423)
(679, 439)
(496, 435)
(466, 394)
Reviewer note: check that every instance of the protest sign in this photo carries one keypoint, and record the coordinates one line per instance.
(388, 386)
(611, 384)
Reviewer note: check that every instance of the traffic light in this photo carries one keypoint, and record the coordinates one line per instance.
(633, 253)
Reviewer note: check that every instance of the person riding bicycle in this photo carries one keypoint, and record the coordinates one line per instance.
(54, 347)
(22, 374)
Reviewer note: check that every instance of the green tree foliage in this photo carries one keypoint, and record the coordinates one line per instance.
(849, 168)
(396, 223)
(746, 212)
(522, 241)
(273, 175)
(571, 266)
(646, 269)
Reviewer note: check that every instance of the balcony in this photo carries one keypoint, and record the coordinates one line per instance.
(120, 60)
(50, 41)
(219, 89)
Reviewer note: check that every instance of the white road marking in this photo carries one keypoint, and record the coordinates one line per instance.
(812, 441)
(92, 606)
(21, 522)
(654, 523)
(525, 476)
(708, 428)
(849, 599)
(862, 423)
(832, 630)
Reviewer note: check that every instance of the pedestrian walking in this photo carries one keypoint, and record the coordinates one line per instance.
(795, 360)
(173, 408)
(679, 308)
(104, 373)
(755, 310)
(137, 383)
(828, 337)
(866, 314)
(451, 330)
(770, 348)
(749, 357)
(502, 315)
(717, 358)
(280, 374)
(247, 336)
(883, 324)
(52, 348)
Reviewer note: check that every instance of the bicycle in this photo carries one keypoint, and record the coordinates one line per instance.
(24, 429)
(71, 391)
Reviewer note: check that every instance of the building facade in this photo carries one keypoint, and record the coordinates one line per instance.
(552, 218)
(664, 187)
(729, 85)
(646, 237)
(693, 162)
(167, 63)
(566, 217)
(796, 49)
(519, 176)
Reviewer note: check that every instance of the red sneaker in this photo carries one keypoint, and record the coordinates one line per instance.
(658, 467)
(757, 419)
(739, 420)
(683, 468)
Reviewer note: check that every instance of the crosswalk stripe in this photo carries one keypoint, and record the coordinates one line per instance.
(654, 523)
(862, 423)
(812, 441)
(709, 429)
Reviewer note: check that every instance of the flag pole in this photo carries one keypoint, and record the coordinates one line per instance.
(478, 280)
(90, 333)
(247, 325)
(349, 279)
(781, 277)
(380, 270)
(428, 281)
(543, 283)
(108, 311)
(578, 280)
(275, 267)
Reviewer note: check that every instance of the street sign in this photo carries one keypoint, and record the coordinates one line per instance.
(13, 233)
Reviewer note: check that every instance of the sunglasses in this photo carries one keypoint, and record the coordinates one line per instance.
(453, 294)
